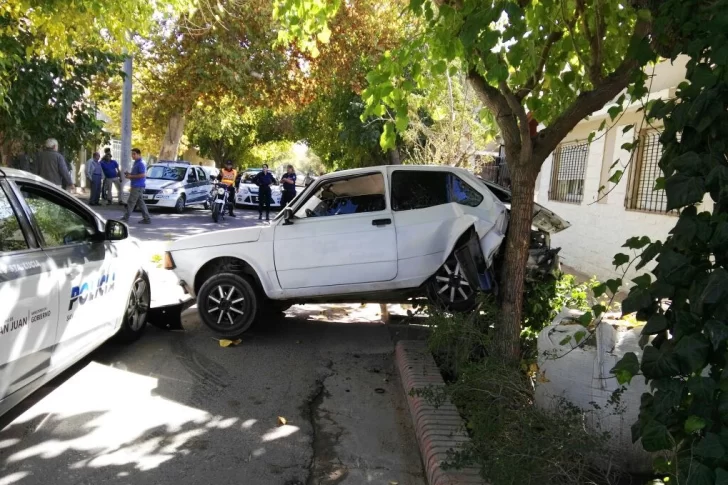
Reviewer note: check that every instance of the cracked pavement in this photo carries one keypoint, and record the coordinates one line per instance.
(176, 408)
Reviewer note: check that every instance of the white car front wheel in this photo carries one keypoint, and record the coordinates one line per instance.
(449, 289)
(228, 304)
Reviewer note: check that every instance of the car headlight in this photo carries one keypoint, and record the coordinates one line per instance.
(220, 191)
(168, 191)
(243, 189)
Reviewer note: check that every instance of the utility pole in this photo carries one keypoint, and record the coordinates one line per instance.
(126, 117)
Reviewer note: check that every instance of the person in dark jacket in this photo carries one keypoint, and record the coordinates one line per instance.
(264, 180)
(289, 186)
(52, 166)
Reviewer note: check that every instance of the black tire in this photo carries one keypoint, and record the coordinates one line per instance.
(216, 212)
(449, 290)
(228, 304)
(137, 310)
(179, 206)
(206, 205)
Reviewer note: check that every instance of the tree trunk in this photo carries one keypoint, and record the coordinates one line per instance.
(394, 157)
(507, 343)
(172, 137)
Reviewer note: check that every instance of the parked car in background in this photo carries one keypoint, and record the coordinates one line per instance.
(379, 234)
(176, 185)
(247, 193)
(69, 280)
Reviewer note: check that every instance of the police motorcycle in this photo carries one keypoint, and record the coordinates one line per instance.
(219, 201)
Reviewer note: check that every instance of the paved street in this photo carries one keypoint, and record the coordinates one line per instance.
(176, 408)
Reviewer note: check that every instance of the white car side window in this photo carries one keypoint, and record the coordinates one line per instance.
(11, 235)
(58, 224)
(352, 195)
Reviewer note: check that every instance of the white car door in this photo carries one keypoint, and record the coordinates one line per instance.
(29, 296)
(426, 205)
(341, 234)
(92, 289)
(204, 186)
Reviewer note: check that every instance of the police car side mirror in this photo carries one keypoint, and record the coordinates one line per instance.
(116, 231)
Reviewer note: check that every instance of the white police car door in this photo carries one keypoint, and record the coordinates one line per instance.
(29, 296)
(204, 186)
(91, 298)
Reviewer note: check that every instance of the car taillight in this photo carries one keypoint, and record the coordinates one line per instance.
(168, 261)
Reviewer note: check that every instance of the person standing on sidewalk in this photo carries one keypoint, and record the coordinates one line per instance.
(264, 180)
(112, 177)
(138, 178)
(52, 166)
(289, 186)
(95, 174)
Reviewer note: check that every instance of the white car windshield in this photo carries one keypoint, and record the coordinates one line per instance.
(166, 173)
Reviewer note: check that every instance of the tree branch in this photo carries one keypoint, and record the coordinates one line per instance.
(538, 72)
(589, 101)
(595, 66)
(497, 103)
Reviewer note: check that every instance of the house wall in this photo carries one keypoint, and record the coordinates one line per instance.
(601, 226)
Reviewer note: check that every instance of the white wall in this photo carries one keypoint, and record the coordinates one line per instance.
(598, 229)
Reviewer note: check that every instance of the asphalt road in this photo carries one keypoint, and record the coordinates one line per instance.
(177, 408)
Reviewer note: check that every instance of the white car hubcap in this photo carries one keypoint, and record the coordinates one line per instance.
(452, 286)
(225, 303)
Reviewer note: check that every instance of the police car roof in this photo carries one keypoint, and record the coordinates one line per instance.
(15, 173)
(172, 162)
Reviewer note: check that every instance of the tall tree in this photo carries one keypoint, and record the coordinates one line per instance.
(560, 59)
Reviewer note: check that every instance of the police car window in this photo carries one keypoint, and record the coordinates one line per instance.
(192, 175)
(354, 195)
(58, 224)
(11, 235)
(164, 172)
(201, 174)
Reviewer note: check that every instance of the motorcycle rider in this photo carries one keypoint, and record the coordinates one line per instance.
(228, 176)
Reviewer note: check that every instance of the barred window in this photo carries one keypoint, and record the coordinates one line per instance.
(567, 173)
(641, 194)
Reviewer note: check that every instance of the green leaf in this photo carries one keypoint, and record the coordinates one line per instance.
(599, 289)
(656, 437)
(620, 259)
(616, 176)
(649, 254)
(627, 367)
(692, 351)
(614, 111)
(716, 289)
(637, 299)
(565, 340)
(682, 190)
(388, 140)
(598, 310)
(694, 424)
(718, 333)
(579, 336)
(402, 121)
(585, 319)
(709, 447)
(591, 136)
(627, 128)
(659, 363)
(614, 284)
(439, 68)
(643, 281)
(656, 324)
(702, 389)
(636, 242)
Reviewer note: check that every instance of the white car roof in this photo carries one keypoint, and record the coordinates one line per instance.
(172, 164)
(434, 168)
(15, 173)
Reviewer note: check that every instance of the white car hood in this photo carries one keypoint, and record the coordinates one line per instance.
(159, 184)
(253, 189)
(217, 238)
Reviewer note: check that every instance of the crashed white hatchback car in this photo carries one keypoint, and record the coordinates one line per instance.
(380, 234)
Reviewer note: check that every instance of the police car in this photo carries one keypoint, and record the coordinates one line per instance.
(176, 185)
(69, 280)
(247, 193)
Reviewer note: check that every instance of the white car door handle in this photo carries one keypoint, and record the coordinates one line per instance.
(73, 272)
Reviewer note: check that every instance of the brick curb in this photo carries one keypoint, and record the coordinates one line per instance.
(437, 429)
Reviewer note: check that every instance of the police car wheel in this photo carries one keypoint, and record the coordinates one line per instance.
(137, 308)
(179, 206)
(228, 304)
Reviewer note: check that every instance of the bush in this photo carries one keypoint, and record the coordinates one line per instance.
(516, 443)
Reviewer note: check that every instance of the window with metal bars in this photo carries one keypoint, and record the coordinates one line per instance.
(567, 172)
(641, 194)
